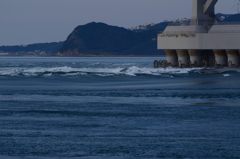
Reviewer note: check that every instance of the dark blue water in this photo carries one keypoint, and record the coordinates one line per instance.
(117, 108)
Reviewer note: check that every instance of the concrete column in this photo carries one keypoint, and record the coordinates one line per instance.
(172, 58)
(196, 58)
(233, 58)
(183, 58)
(220, 57)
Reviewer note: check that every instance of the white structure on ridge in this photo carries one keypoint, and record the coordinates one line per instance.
(204, 42)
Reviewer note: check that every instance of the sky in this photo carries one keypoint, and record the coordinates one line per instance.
(38, 21)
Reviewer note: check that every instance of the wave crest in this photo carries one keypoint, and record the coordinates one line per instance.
(116, 71)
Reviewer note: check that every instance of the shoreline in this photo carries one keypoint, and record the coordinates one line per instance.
(84, 56)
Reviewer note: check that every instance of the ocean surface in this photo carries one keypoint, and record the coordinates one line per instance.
(116, 108)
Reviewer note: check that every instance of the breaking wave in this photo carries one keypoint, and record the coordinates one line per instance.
(116, 71)
(70, 71)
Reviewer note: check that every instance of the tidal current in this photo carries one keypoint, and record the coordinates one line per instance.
(116, 108)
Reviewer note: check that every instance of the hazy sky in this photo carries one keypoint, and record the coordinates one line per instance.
(34, 21)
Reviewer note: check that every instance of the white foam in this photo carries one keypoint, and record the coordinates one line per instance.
(226, 75)
(153, 71)
(69, 71)
(105, 75)
(49, 74)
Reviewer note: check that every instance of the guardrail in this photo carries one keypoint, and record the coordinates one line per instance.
(183, 32)
(199, 32)
(210, 23)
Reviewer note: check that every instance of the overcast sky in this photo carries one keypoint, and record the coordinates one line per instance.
(35, 21)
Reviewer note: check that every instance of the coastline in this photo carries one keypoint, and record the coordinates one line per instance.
(88, 56)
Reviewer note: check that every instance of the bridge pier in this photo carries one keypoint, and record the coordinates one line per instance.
(172, 58)
(196, 58)
(201, 58)
(233, 58)
(183, 58)
(220, 58)
(204, 42)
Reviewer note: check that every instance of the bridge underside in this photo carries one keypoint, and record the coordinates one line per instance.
(212, 49)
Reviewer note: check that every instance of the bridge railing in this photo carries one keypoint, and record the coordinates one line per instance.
(197, 32)
(204, 23)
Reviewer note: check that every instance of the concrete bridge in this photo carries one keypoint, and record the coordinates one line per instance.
(203, 11)
(204, 42)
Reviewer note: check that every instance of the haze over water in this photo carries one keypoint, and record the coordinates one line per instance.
(118, 108)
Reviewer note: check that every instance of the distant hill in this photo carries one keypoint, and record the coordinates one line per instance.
(232, 18)
(159, 26)
(49, 48)
(99, 39)
(220, 17)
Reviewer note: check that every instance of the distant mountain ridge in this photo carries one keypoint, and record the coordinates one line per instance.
(231, 18)
(99, 39)
(32, 49)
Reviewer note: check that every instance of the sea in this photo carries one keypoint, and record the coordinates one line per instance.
(116, 108)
